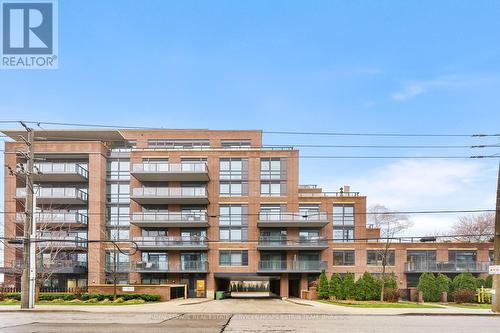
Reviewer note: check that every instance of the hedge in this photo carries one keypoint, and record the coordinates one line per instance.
(87, 296)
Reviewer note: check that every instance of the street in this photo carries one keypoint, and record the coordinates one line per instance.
(198, 323)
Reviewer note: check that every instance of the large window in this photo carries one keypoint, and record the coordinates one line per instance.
(273, 175)
(233, 222)
(233, 258)
(343, 258)
(178, 144)
(343, 223)
(376, 257)
(233, 176)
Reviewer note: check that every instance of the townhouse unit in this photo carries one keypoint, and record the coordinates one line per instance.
(204, 208)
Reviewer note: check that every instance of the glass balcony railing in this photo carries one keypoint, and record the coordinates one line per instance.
(170, 217)
(55, 218)
(48, 168)
(447, 266)
(174, 192)
(170, 167)
(170, 242)
(55, 193)
(292, 266)
(284, 241)
(275, 216)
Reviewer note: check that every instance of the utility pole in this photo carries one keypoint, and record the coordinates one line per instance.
(26, 279)
(496, 277)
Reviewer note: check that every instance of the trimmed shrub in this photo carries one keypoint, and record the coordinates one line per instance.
(390, 281)
(442, 284)
(367, 288)
(463, 296)
(125, 297)
(464, 281)
(323, 288)
(428, 286)
(15, 296)
(119, 300)
(348, 287)
(391, 295)
(489, 281)
(135, 301)
(335, 286)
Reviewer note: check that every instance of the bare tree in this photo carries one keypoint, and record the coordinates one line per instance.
(391, 224)
(474, 228)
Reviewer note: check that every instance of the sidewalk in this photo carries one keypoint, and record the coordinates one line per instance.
(250, 306)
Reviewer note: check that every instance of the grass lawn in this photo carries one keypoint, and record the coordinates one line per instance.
(378, 304)
(471, 305)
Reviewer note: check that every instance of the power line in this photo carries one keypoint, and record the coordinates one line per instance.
(265, 131)
(410, 212)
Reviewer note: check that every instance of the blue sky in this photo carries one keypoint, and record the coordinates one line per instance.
(342, 66)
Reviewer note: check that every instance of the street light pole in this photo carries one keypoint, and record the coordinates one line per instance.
(495, 307)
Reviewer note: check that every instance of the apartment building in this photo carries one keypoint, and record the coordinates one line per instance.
(202, 208)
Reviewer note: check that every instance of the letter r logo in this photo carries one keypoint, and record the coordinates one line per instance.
(27, 28)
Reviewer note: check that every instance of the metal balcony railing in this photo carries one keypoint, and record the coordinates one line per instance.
(175, 192)
(171, 167)
(169, 217)
(61, 168)
(53, 217)
(447, 266)
(190, 266)
(293, 266)
(329, 194)
(55, 193)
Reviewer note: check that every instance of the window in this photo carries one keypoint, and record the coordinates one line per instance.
(462, 256)
(420, 256)
(273, 175)
(343, 223)
(343, 258)
(233, 175)
(235, 144)
(118, 192)
(233, 258)
(118, 169)
(153, 233)
(272, 212)
(491, 256)
(233, 222)
(178, 144)
(122, 261)
(376, 257)
(118, 234)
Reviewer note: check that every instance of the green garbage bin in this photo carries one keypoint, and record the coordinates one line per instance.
(219, 295)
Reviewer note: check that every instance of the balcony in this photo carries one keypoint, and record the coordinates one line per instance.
(171, 219)
(56, 266)
(313, 220)
(55, 219)
(55, 195)
(447, 267)
(171, 243)
(170, 195)
(60, 172)
(120, 267)
(63, 243)
(160, 172)
(299, 266)
(284, 243)
(190, 266)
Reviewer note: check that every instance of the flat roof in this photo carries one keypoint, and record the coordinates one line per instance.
(69, 134)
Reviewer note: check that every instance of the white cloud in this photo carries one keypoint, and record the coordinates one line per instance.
(410, 185)
(413, 89)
